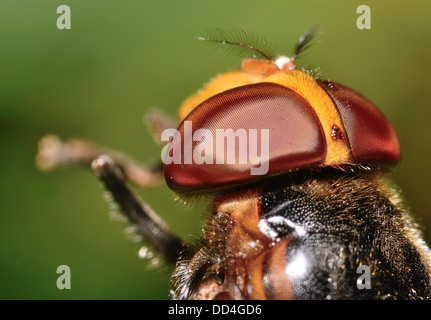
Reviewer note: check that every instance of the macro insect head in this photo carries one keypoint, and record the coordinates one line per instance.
(325, 206)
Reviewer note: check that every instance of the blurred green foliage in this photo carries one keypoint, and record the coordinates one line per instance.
(122, 57)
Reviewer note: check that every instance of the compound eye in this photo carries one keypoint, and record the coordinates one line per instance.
(372, 138)
(242, 134)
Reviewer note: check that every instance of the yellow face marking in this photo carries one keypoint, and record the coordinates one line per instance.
(223, 82)
(338, 150)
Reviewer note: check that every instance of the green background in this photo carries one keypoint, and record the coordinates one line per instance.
(123, 57)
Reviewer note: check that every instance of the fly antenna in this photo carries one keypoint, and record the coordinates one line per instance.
(240, 42)
(306, 40)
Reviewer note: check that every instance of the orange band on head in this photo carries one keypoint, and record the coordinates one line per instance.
(338, 149)
(223, 82)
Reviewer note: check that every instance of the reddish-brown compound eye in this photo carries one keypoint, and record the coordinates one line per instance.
(295, 138)
(371, 137)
